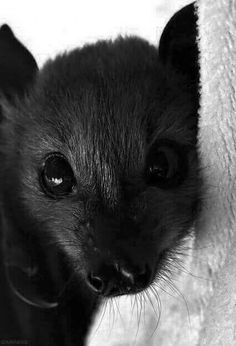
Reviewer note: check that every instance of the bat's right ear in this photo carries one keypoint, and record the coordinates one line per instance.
(178, 47)
(18, 67)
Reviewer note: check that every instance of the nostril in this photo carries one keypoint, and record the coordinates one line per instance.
(133, 279)
(144, 277)
(128, 275)
(96, 283)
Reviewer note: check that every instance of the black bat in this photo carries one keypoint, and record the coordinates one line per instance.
(99, 176)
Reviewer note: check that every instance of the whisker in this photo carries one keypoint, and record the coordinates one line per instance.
(158, 315)
(177, 265)
(119, 313)
(139, 319)
(181, 295)
(104, 306)
(162, 289)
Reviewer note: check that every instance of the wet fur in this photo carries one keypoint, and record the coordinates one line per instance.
(102, 106)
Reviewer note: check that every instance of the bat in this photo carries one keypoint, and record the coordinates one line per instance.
(99, 175)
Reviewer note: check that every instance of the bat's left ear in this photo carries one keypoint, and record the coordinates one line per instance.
(178, 47)
(18, 67)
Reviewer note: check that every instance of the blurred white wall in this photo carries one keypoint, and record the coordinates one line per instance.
(51, 26)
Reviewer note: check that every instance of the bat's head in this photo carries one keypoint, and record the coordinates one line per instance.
(100, 170)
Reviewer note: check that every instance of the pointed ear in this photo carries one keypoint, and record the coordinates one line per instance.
(18, 68)
(178, 44)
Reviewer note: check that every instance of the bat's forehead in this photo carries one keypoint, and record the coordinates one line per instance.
(97, 109)
(106, 131)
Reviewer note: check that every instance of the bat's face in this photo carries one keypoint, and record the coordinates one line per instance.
(102, 164)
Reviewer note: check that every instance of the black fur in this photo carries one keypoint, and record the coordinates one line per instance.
(103, 107)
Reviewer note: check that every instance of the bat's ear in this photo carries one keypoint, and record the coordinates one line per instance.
(178, 44)
(18, 68)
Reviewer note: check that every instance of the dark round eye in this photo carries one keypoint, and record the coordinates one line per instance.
(57, 178)
(166, 165)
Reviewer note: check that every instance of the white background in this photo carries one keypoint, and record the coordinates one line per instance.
(48, 27)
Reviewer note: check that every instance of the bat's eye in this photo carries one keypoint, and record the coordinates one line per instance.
(166, 165)
(57, 177)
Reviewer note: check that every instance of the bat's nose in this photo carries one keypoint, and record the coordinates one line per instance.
(114, 279)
